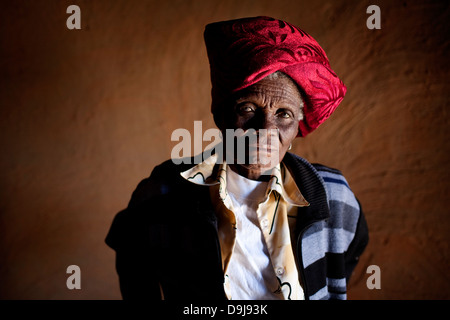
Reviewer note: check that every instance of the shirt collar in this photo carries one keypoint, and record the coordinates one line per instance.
(210, 173)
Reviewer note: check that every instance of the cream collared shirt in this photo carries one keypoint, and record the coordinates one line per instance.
(255, 234)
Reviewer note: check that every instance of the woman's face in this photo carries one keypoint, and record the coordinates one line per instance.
(272, 103)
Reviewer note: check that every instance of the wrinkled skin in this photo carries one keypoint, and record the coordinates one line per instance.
(272, 103)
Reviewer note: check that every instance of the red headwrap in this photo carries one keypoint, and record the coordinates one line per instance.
(244, 51)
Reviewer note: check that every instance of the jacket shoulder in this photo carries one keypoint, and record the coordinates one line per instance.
(164, 179)
(320, 167)
(345, 209)
(331, 176)
(337, 186)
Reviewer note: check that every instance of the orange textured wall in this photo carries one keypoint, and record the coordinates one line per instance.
(86, 114)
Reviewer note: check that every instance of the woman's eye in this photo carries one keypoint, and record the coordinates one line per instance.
(284, 114)
(245, 109)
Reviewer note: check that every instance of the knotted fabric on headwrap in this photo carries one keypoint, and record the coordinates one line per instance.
(242, 52)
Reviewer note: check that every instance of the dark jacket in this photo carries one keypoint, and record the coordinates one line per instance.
(166, 239)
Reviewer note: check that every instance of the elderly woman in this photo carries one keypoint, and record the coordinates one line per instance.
(248, 230)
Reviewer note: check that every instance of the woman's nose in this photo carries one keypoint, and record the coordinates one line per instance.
(264, 121)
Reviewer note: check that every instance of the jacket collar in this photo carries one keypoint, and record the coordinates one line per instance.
(307, 179)
(313, 189)
(209, 173)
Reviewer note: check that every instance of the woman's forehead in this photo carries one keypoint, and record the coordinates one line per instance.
(280, 89)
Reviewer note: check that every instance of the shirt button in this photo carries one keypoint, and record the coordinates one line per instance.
(280, 271)
(264, 223)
